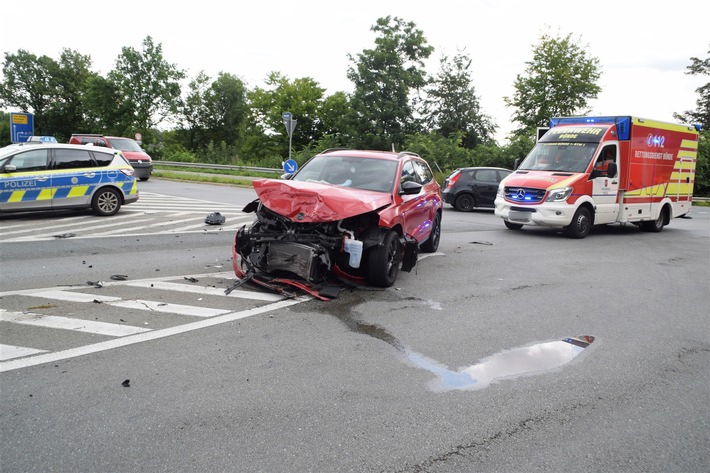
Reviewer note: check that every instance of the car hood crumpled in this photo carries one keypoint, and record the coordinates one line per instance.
(314, 202)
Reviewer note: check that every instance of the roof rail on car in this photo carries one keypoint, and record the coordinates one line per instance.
(330, 150)
(402, 154)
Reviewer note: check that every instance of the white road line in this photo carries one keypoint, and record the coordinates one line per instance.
(72, 296)
(144, 337)
(154, 306)
(8, 352)
(66, 323)
(212, 291)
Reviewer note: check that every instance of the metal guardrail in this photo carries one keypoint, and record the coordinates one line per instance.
(701, 199)
(225, 167)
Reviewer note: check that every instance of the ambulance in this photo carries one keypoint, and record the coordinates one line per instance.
(587, 171)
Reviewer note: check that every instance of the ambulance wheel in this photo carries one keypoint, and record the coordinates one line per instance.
(465, 203)
(513, 226)
(383, 261)
(106, 202)
(581, 224)
(657, 225)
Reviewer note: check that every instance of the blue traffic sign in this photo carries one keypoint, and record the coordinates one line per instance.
(290, 166)
(21, 127)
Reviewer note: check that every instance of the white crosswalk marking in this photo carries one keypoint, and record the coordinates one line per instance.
(171, 286)
(8, 352)
(14, 355)
(67, 323)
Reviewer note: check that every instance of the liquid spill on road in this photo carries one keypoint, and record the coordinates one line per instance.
(509, 364)
(535, 359)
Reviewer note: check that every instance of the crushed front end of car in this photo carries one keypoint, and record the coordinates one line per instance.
(314, 247)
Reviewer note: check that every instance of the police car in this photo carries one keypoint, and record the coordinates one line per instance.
(47, 176)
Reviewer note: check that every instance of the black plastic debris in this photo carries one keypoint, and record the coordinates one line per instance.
(215, 218)
(191, 279)
(119, 277)
(65, 235)
(126, 383)
(95, 283)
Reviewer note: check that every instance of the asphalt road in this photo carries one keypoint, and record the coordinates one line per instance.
(407, 379)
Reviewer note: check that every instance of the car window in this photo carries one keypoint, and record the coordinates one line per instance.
(486, 175)
(125, 144)
(423, 172)
(34, 160)
(73, 159)
(103, 159)
(408, 173)
(503, 174)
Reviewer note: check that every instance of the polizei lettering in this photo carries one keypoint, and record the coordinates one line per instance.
(19, 184)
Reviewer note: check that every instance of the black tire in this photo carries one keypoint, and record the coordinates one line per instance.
(383, 261)
(465, 203)
(143, 178)
(657, 225)
(432, 243)
(581, 224)
(106, 202)
(513, 226)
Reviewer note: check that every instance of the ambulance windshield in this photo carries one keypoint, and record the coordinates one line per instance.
(559, 156)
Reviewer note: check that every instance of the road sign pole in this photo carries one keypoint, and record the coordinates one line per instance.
(290, 124)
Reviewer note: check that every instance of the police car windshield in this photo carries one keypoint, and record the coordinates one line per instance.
(559, 156)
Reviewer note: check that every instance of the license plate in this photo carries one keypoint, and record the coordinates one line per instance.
(518, 216)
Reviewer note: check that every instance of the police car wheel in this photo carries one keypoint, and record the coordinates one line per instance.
(106, 202)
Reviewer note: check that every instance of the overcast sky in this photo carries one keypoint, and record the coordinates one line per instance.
(644, 47)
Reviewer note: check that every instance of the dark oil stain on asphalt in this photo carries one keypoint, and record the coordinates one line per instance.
(509, 364)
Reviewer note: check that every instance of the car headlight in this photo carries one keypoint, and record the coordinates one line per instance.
(501, 191)
(558, 195)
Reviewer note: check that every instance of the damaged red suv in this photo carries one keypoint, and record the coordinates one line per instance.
(355, 215)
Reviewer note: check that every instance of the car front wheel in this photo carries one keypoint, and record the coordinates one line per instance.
(106, 202)
(513, 226)
(383, 261)
(581, 224)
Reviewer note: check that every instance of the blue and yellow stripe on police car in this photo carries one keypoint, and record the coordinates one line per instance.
(26, 195)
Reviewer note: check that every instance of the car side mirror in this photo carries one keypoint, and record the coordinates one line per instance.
(9, 168)
(595, 174)
(611, 170)
(410, 188)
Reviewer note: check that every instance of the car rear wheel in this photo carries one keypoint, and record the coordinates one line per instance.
(432, 243)
(106, 202)
(657, 225)
(465, 203)
(383, 261)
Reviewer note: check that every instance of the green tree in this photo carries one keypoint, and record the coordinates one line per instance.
(302, 97)
(29, 85)
(104, 109)
(560, 80)
(64, 115)
(701, 114)
(387, 80)
(452, 106)
(214, 112)
(148, 85)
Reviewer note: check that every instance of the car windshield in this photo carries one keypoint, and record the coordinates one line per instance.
(360, 173)
(125, 144)
(559, 156)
